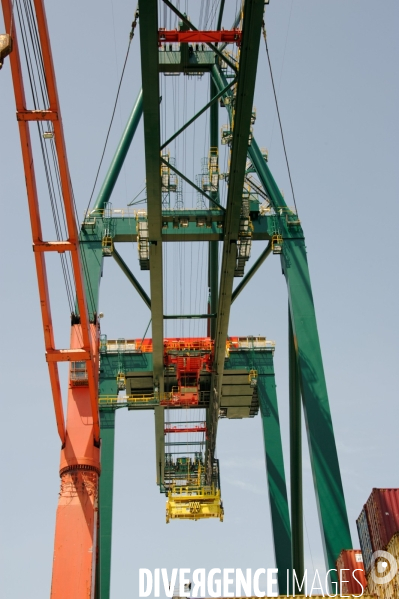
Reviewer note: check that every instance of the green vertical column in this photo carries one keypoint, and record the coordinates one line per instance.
(295, 457)
(323, 452)
(275, 470)
(107, 422)
(214, 245)
(107, 386)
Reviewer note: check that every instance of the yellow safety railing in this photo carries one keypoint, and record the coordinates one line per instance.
(110, 213)
(140, 398)
(113, 400)
(201, 344)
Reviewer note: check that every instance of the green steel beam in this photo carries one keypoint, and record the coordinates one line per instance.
(107, 386)
(220, 17)
(252, 22)
(325, 466)
(124, 229)
(265, 176)
(295, 457)
(107, 423)
(152, 140)
(275, 478)
(213, 263)
(262, 361)
(92, 266)
(258, 263)
(323, 452)
(124, 267)
(120, 155)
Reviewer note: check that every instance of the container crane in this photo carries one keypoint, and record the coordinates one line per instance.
(217, 375)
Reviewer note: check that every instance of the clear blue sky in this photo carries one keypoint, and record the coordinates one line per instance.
(335, 65)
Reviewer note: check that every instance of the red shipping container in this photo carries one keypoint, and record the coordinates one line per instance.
(350, 560)
(383, 515)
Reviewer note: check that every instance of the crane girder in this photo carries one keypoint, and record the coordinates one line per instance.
(152, 143)
(251, 31)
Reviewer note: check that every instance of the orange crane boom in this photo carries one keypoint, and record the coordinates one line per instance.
(75, 545)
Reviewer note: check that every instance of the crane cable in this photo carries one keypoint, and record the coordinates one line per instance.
(33, 59)
(293, 195)
(131, 35)
(278, 115)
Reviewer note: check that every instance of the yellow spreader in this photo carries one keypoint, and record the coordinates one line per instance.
(194, 503)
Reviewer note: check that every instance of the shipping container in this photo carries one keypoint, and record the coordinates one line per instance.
(364, 537)
(383, 516)
(351, 572)
(390, 590)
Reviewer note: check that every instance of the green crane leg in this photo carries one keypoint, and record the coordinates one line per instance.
(107, 422)
(120, 155)
(323, 452)
(108, 386)
(295, 458)
(92, 266)
(275, 477)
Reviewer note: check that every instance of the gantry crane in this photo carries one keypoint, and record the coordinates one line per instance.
(214, 376)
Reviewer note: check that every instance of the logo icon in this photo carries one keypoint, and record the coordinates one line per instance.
(383, 567)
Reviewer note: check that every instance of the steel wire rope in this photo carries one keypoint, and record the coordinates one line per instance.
(36, 51)
(281, 69)
(165, 251)
(184, 192)
(84, 260)
(206, 14)
(35, 100)
(278, 114)
(67, 266)
(43, 87)
(191, 243)
(116, 65)
(175, 101)
(131, 36)
(200, 14)
(47, 163)
(212, 14)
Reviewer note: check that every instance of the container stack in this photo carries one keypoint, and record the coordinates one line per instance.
(351, 572)
(378, 528)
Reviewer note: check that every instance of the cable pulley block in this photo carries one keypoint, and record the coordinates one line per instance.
(5, 47)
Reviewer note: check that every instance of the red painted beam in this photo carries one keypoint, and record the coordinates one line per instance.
(67, 355)
(195, 37)
(187, 429)
(54, 246)
(37, 115)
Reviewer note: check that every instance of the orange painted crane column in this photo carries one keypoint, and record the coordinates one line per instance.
(76, 521)
(67, 194)
(75, 544)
